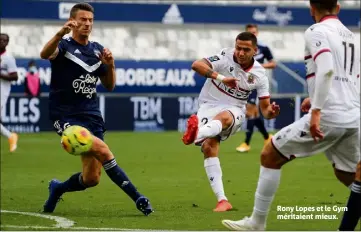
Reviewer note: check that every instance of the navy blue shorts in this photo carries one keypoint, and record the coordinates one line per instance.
(252, 99)
(93, 123)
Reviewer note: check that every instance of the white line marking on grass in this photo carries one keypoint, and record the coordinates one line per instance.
(60, 221)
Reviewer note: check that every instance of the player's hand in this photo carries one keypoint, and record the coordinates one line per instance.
(68, 26)
(231, 82)
(315, 130)
(273, 110)
(306, 105)
(107, 57)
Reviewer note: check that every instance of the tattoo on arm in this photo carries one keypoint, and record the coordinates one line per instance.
(209, 73)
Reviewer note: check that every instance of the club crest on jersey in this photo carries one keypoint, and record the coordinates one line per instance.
(250, 79)
(231, 69)
(85, 85)
(97, 52)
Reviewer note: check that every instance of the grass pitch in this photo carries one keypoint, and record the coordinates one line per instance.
(171, 175)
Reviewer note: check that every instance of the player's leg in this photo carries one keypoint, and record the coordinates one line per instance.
(210, 149)
(200, 128)
(293, 139)
(353, 213)
(251, 114)
(12, 137)
(259, 123)
(345, 156)
(98, 156)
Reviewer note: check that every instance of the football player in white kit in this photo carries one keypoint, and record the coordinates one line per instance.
(8, 73)
(332, 125)
(231, 76)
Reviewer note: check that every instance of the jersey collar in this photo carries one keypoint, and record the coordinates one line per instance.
(324, 18)
(3, 52)
(248, 68)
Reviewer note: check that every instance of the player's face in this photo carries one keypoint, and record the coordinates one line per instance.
(3, 41)
(84, 20)
(244, 51)
(253, 30)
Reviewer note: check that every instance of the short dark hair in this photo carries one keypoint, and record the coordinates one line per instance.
(7, 36)
(81, 6)
(251, 25)
(324, 5)
(246, 36)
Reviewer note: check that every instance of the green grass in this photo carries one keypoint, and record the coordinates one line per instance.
(170, 174)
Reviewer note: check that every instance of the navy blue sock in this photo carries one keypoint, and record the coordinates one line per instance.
(250, 126)
(259, 123)
(74, 183)
(118, 176)
(353, 213)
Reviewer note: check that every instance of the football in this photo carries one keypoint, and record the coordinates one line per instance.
(76, 140)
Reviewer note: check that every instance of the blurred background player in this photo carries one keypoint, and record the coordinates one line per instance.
(7, 75)
(32, 80)
(77, 64)
(231, 76)
(265, 58)
(332, 56)
(353, 213)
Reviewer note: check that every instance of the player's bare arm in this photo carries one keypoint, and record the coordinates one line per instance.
(306, 105)
(108, 80)
(269, 110)
(50, 50)
(9, 77)
(204, 68)
(270, 65)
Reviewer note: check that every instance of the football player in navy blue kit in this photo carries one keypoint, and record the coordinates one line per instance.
(264, 56)
(77, 64)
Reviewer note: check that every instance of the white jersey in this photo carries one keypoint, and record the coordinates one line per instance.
(216, 92)
(342, 106)
(8, 65)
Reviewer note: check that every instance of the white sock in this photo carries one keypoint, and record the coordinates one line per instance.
(211, 129)
(5, 131)
(214, 174)
(268, 182)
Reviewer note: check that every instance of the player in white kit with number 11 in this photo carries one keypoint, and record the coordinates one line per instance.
(332, 125)
(231, 76)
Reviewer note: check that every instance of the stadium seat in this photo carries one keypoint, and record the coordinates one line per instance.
(158, 43)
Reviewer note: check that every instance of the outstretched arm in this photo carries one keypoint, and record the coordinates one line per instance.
(50, 50)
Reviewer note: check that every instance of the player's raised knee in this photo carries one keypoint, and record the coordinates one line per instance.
(270, 158)
(91, 181)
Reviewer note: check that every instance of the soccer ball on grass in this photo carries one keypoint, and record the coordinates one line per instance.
(76, 140)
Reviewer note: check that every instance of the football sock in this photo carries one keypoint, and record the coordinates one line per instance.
(250, 126)
(74, 183)
(211, 129)
(353, 213)
(214, 174)
(268, 182)
(259, 123)
(118, 176)
(5, 131)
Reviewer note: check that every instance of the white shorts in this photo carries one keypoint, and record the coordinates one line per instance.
(341, 145)
(207, 112)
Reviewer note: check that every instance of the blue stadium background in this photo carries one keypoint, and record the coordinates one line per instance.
(154, 43)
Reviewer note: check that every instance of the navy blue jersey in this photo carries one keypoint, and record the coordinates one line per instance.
(263, 53)
(75, 72)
